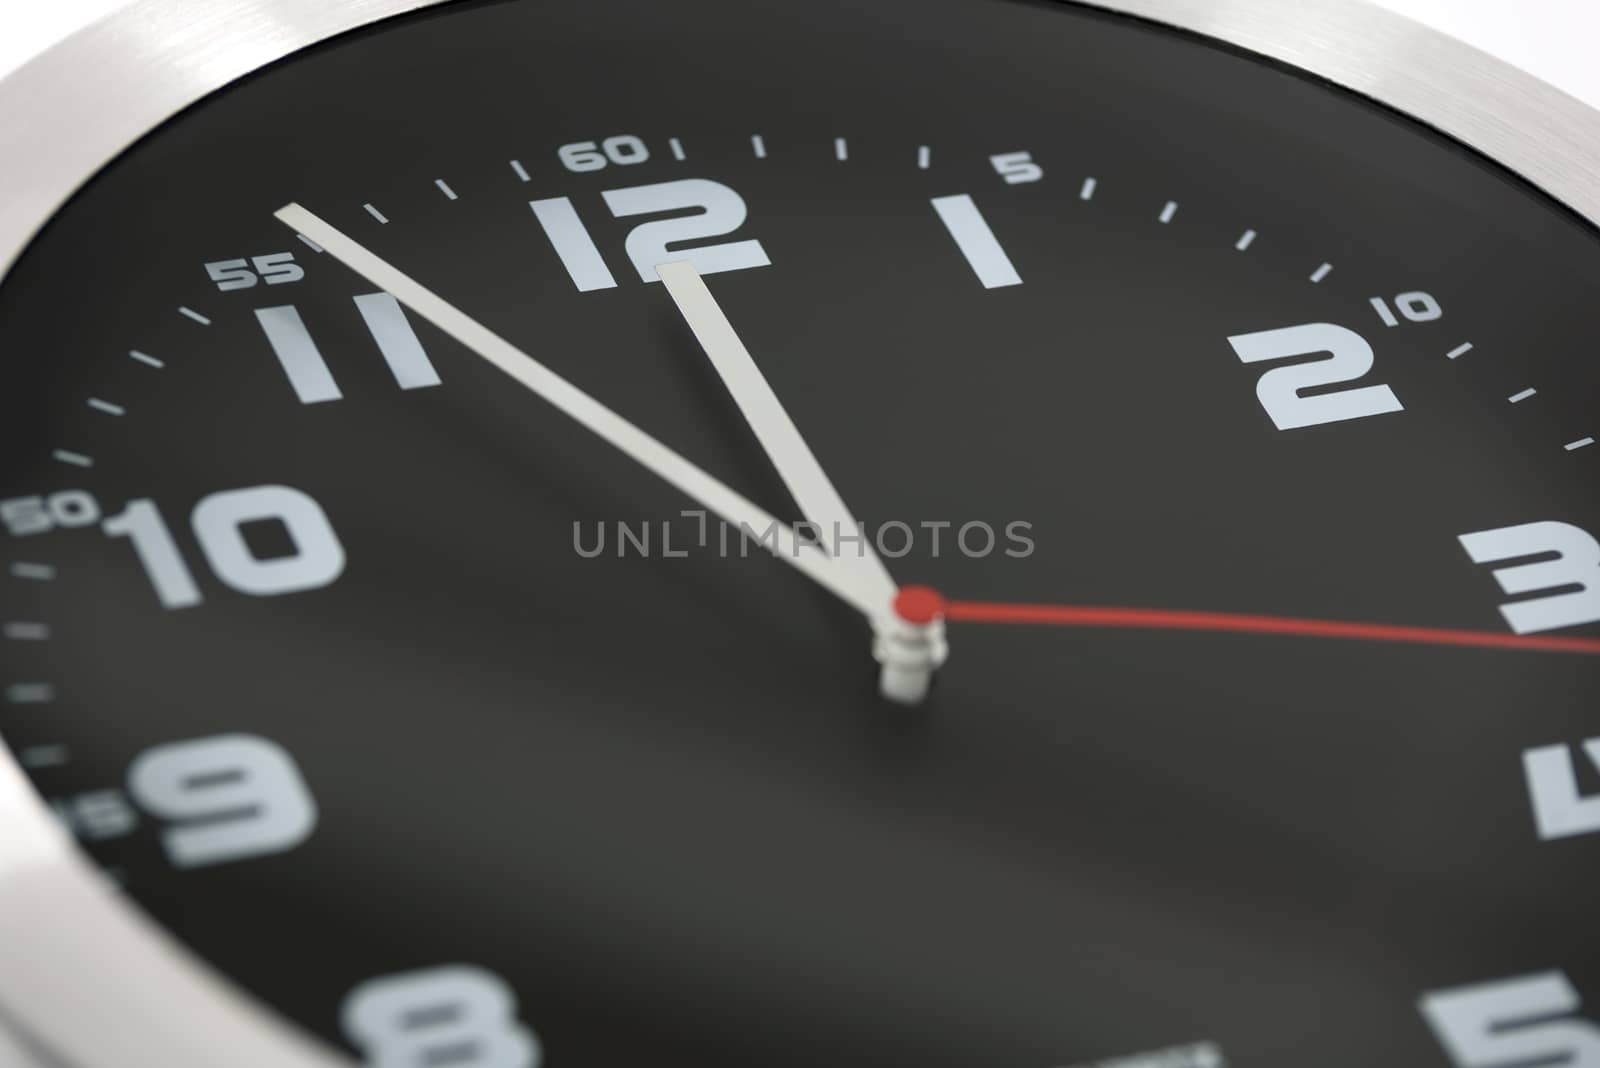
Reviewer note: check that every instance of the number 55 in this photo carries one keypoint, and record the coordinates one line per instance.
(275, 270)
(1509, 1023)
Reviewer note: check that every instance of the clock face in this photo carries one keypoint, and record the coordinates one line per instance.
(461, 738)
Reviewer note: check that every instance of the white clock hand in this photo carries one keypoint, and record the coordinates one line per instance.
(910, 639)
(635, 443)
(796, 465)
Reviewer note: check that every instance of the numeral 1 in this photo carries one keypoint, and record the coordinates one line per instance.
(141, 522)
(976, 241)
(573, 244)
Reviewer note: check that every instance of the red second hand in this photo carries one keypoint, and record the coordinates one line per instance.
(927, 601)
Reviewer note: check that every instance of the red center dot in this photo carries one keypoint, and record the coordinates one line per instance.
(918, 604)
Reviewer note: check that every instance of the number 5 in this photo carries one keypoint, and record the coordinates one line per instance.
(1508, 1023)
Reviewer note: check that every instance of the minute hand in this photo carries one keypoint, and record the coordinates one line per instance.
(796, 464)
(640, 446)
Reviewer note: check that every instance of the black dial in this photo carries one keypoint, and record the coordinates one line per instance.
(1243, 425)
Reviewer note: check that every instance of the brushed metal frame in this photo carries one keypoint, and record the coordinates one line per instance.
(71, 949)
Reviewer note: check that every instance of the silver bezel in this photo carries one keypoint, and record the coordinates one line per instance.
(71, 948)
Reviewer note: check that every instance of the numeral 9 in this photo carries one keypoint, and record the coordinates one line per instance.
(231, 796)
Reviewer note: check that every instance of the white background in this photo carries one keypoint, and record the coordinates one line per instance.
(1557, 39)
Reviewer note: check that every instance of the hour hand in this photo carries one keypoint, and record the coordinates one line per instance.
(909, 647)
(810, 486)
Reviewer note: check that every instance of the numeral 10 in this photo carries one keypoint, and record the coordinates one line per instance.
(218, 522)
(1416, 307)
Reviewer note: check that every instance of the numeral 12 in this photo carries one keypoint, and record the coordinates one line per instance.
(721, 211)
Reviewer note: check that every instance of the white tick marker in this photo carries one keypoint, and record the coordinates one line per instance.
(106, 406)
(1246, 239)
(312, 245)
(76, 459)
(376, 214)
(519, 170)
(397, 341)
(27, 632)
(1518, 398)
(44, 756)
(924, 158)
(573, 244)
(758, 145)
(1322, 272)
(30, 693)
(1581, 443)
(34, 572)
(677, 148)
(444, 188)
(1087, 192)
(149, 361)
(841, 150)
(196, 316)
(1459, 351)
(1168, 212)
(291, 342)
(976, 241)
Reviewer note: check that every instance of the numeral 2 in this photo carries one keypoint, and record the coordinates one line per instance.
(1281, 389)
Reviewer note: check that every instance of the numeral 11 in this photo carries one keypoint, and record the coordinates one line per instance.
(308, 372)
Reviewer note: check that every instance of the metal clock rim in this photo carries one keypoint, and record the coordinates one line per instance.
(151, 1001)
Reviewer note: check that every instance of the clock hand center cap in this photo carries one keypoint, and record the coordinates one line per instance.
(911, 644)
(919, 605)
